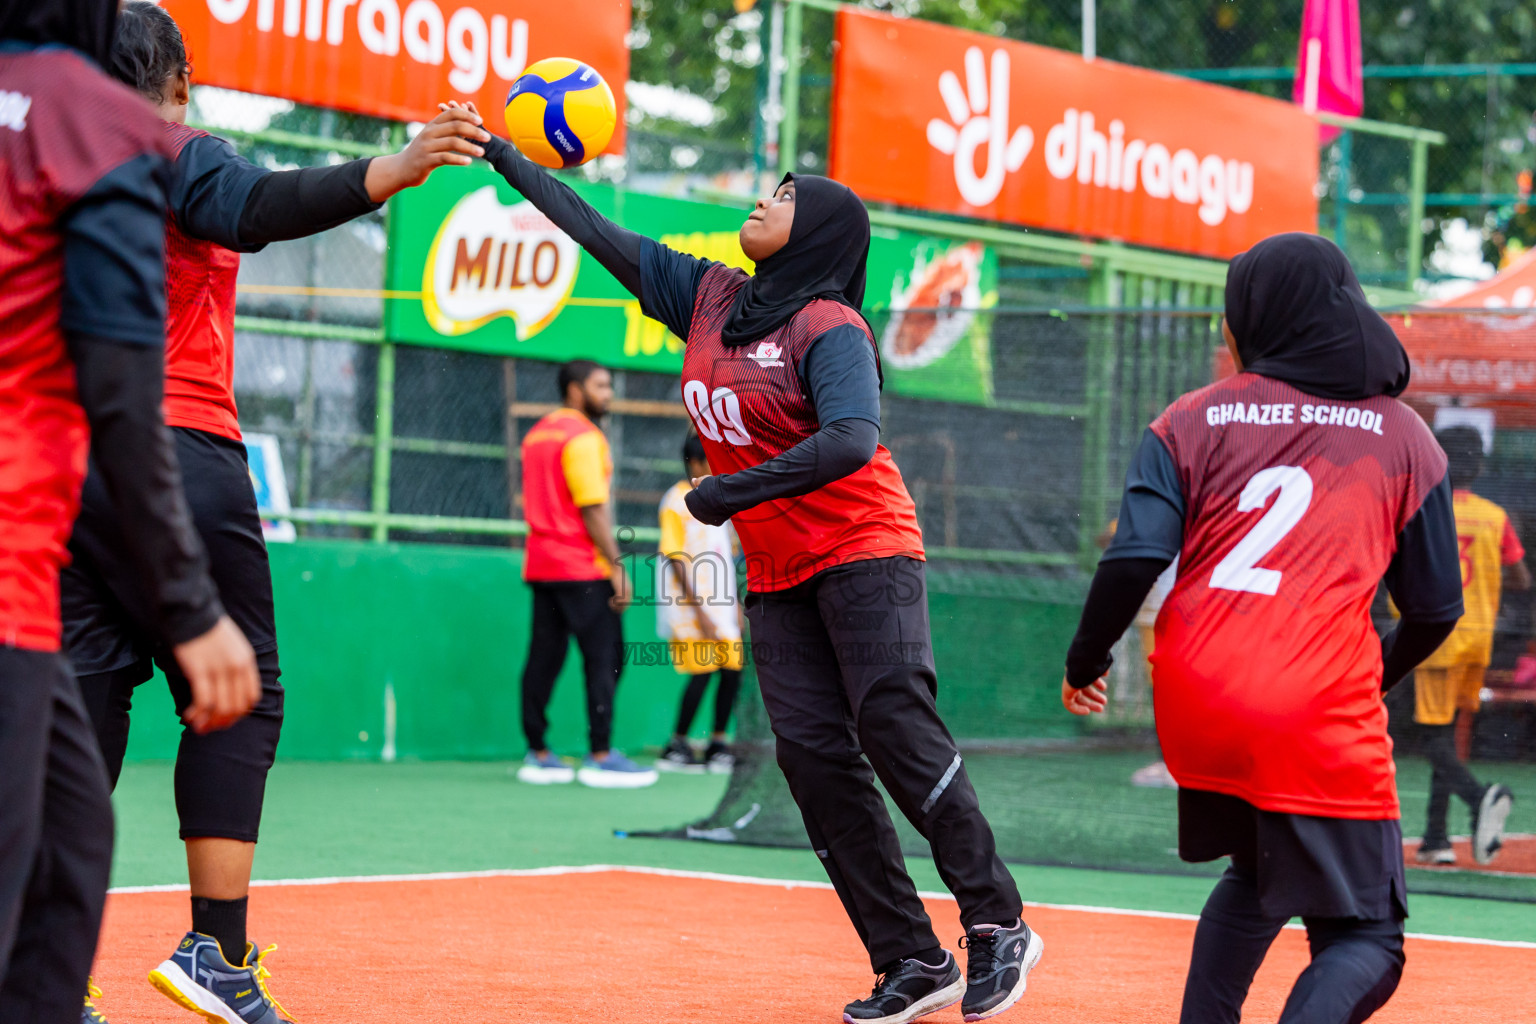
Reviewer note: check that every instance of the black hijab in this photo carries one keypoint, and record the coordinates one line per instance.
(1299, 315)
(86, 25)
(823, 259)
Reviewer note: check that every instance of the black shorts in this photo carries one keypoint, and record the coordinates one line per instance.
(1306, 866)
(108, 623)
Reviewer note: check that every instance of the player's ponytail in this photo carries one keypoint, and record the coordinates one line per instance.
(148, 51)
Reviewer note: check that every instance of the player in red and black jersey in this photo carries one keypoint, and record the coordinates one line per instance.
(82, 306)
(1288, 493)
(219, 206)
(782, 381)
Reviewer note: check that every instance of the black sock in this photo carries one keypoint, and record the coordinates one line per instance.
(223, 920)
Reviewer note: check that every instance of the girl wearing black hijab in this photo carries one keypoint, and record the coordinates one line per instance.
(1288, 493)
(82, 333)
(782, 381)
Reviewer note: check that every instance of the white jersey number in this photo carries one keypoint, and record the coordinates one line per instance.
(1239, 570)
(717, 413)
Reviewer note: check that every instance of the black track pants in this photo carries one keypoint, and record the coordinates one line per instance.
(1447, 776)
(693, 697)
(55, 840)
(562, 611)
(1356, 963)
(845, 664)
(221, 776)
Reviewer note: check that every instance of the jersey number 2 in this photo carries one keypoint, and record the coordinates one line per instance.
(1239, 570)
(715, 413)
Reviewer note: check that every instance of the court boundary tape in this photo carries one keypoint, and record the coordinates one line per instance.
(716, 876)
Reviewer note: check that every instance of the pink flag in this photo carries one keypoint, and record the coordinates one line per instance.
(1328, 74)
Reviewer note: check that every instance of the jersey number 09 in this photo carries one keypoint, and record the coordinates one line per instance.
(715, 414)
(1239, 570)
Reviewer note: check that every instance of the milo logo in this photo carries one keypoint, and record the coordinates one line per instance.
(490, 260)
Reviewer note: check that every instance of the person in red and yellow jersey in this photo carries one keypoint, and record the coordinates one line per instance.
(579, 585)
(1451, 679)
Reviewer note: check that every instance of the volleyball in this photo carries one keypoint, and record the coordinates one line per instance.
(560, 113)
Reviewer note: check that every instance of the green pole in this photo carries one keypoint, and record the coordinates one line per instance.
(1416, 188)
(384, 403)
(789, 128)
(1341, 194)
(1098, 384)
(383, 437)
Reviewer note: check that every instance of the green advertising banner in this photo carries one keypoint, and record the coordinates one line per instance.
(473, 266)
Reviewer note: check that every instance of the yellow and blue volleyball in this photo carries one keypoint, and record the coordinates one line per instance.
(560, 113)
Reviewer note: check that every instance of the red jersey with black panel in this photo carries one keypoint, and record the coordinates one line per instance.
(199, 323)
(748, 406)
(1267, 670)
(63, 127)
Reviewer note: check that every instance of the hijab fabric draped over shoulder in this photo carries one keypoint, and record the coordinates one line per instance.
(824, 259)
(1298, 314)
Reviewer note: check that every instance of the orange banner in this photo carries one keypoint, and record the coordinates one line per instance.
(939, 118)
(399, 58)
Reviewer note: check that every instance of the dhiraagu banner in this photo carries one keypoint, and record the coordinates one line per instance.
(474, 266)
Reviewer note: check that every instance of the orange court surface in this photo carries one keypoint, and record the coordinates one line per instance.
(642, 946)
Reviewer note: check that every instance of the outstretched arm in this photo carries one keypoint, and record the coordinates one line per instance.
(219, 196)
(665, 281)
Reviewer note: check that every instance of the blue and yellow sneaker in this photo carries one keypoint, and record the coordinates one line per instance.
(91, 1015)
(198, 978)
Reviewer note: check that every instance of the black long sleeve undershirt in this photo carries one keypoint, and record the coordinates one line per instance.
(616, 248)
(833, 452)
(217, 195)
(1114, 597)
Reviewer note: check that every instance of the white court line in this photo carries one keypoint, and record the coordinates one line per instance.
(714, 876)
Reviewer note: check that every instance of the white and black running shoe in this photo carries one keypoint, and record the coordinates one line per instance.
(999, 959)
(1440, 854)
(1488, 831)
(718, 758)
(678, 756)
(912, 990)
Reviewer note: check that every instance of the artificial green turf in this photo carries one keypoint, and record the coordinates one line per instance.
(325, 819)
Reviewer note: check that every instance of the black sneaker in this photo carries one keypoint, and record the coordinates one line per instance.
(1488, 824)
(912, 990)
(718, 758)
(678, 756)
(997, 968)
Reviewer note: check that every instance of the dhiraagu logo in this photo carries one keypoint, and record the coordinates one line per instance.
(489, 260)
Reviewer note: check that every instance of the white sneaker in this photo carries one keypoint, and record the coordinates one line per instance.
(548, 770)
(1154, 776)
(1492, 812)
(615, 772)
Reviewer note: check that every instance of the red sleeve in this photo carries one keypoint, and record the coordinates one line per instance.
(1510, 548)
